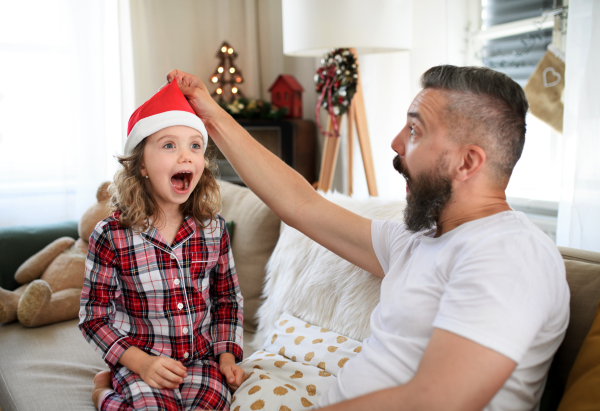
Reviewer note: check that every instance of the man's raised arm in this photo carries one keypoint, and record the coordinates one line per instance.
(281, 188)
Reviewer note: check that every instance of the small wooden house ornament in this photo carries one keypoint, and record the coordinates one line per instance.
(287, 92)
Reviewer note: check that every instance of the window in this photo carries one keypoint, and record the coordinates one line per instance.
(515, 36)
(60, 107)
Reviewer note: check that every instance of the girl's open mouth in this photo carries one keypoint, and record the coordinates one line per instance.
(181, 181)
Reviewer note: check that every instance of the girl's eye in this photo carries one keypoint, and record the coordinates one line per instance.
(413, 132)
(169, 145)
(196, 145)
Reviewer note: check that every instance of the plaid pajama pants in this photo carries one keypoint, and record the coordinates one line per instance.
(203, 389)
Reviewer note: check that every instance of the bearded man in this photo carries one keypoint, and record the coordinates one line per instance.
(474, 300)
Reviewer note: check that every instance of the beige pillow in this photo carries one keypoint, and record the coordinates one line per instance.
(255, 233)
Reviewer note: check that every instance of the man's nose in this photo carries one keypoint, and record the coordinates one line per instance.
(398, 144)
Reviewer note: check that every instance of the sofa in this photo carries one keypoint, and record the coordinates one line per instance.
(288, 283)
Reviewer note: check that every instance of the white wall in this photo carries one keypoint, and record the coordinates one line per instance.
(390, 82)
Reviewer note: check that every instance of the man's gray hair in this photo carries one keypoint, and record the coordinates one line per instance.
(486, 108)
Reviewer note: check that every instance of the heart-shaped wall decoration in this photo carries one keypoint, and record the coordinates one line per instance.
(549, 71)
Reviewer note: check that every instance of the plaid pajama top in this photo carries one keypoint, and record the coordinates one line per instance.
(181, 301)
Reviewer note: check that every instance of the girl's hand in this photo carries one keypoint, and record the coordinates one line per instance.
(162, 372)
(192, 88)
(234, 375)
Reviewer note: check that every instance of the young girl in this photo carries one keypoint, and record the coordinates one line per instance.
(161, 299)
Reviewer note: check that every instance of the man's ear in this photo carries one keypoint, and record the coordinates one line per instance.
(473, 158)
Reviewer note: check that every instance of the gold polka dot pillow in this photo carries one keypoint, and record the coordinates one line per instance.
(296, 366)
(300, 341)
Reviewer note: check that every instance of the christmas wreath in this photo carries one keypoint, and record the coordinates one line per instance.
(336, 81)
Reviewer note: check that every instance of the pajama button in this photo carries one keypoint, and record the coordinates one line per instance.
(176, 282)
(180, 306)
(185, 330)
(172, 257)
(186, 354)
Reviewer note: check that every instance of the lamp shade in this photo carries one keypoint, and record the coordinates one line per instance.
(315, 27)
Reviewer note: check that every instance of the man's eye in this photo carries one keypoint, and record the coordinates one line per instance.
(169, 145)
(196, 145)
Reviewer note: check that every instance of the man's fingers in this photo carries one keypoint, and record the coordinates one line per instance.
(171, 75)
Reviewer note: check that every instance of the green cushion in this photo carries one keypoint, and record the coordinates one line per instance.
(19, 243)
(229, 225)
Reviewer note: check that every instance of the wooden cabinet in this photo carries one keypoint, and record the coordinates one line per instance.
(293, 141)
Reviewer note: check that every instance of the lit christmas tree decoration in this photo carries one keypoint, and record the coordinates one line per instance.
(227, 75)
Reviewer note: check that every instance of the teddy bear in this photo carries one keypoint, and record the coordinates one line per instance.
(53, 278)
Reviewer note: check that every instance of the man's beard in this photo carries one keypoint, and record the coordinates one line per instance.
(428, 194)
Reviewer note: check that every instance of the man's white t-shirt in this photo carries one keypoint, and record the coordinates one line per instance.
(498, 281)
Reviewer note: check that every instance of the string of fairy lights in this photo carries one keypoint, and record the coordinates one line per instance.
(227, 76)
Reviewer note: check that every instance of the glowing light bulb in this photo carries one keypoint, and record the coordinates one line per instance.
(232, 70)
(219, 91)
(230, 51)
(220, 69)
(234, 90)
(238, 79)
(223, 49)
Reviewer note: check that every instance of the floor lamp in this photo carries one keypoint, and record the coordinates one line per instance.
(312, 28)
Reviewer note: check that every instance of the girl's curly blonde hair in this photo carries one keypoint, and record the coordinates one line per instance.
(129, 195)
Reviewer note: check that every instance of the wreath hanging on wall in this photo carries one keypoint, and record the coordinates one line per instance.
(336, 81)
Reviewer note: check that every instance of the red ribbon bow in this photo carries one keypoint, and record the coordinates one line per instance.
(329, 83)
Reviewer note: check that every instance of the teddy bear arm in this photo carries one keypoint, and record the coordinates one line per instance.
(35, 265)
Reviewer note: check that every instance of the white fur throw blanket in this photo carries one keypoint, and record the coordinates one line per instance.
(311, 283)
(297, 365)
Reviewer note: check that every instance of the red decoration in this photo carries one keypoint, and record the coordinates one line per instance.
(287, 92)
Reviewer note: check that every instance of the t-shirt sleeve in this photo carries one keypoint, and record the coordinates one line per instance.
(385, 236)
(501, 303)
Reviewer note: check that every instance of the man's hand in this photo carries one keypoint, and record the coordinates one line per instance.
(197, 94)
(234, 375)
(162, 372)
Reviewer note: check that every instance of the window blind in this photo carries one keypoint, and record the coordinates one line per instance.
(517, 55)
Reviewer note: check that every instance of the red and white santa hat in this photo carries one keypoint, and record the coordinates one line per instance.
(168, 107)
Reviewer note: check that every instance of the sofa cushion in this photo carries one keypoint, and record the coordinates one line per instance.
(50, 368)
(315, 285)
(254, 238)
(583, 276)
(54, 362)
(582, 391)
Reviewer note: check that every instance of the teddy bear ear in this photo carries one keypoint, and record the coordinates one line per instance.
(102, 194)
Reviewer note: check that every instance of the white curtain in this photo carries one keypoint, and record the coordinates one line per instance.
(60, 109)
(579, 210)
(187, 35)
